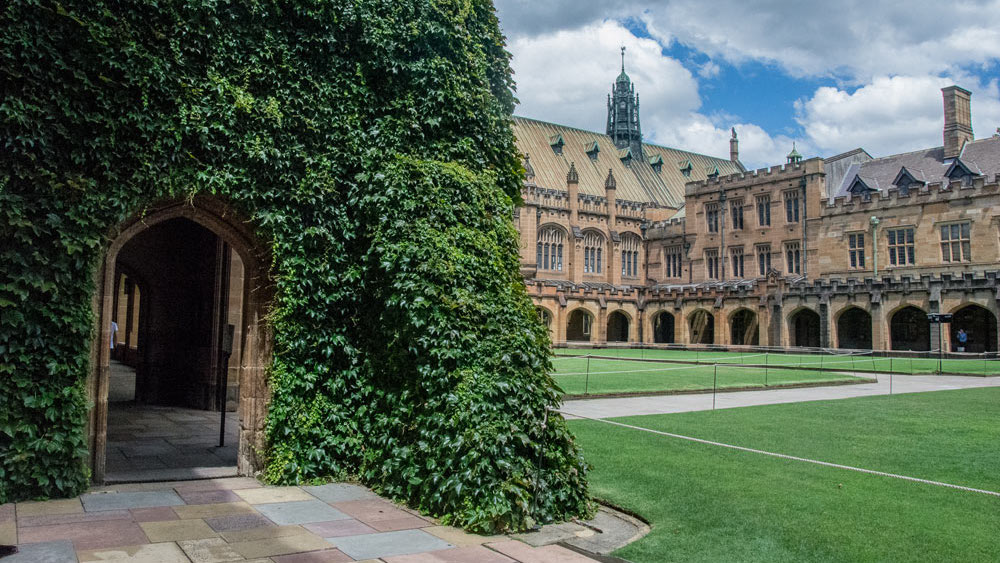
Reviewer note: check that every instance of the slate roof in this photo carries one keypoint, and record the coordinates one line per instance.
(637, 182)
(927, 165)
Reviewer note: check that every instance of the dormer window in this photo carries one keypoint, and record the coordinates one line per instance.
(557, 143)
(685, 167)
(861, 189)
(905, 181)
(712, 172)
(626, 156)
(593, 150)
(657, 163)
(960, 171)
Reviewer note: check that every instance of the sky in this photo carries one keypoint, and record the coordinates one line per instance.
(829, 76)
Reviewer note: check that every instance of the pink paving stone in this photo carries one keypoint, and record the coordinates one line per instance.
(325, 556)
(338, 528)
(209, 497)
(156, 514)
(476, 554)
(91, 535)
(56, 519)
(371, 511)
(548, 554)
(237, 522)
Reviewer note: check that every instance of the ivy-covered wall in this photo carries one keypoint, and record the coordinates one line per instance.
(369, 144)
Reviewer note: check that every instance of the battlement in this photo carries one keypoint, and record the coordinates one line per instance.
(932, 283)
(934, 191)
(753, 177)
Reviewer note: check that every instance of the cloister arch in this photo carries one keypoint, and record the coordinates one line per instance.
(618, 327)
(580, 325)
(545, 316)
(804, 328)
(663, 328)
(743, 328)
(206, 220)
(909, 329)
(854, 329)
(980, 326)
(701, 327)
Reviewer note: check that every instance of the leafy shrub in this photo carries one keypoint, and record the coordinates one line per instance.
(369, 144)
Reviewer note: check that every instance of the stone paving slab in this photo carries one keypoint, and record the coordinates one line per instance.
(385, 544)
(281, 546)
(549, 554)
(211, 550)
(116, 501)
(177, 530)
(239, 522)
(197, 523)
(49, 507)
(213, 510)
(148, 553)
(300, 512)
(87, 535)
(265, 495)
(340, 492)
(44, 552)
(478, 554)
(325, 556)
(337, 528)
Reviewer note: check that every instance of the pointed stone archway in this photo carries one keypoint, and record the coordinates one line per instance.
(207, 221)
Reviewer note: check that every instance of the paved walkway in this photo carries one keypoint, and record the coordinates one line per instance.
(663, 404)
(236, 519)
(151, 443)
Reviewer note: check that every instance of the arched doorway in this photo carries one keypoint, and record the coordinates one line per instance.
(617, 327)
(909, 329)
(200, 336)
(743, 329)
(804, 327)
(579, 326)
(663, 328)
(854, 329)
(545, 316)
(980, 326)
(701, 324)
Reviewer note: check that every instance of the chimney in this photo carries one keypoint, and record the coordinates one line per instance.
(957, 120)
(734, 148)
(610, 189)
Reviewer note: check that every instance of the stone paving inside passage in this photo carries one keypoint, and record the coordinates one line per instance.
(238, 519)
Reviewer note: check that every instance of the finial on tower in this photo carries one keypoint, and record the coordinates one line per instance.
(734, 133)
(623, 58)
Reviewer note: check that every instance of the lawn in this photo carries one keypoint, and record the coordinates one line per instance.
(708, 503)
(857, 362)
(623, 376)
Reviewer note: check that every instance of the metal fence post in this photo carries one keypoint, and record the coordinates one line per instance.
(586, 382)
(715, 384)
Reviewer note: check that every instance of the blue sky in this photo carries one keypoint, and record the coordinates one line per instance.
(827, 76)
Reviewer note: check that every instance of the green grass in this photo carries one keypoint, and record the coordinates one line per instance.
(708, 503)
(623, 376)
(901, 365)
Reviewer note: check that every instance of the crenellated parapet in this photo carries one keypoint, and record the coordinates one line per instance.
(755, 177)
(928, 193)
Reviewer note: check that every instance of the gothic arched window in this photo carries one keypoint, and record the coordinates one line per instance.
(630, 255)
(593, 245)
(550, 249)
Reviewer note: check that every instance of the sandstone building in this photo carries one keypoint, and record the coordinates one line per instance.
(625, 241)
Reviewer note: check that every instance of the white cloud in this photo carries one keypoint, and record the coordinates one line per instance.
(565, 77)
(892, 114)
(556, 82)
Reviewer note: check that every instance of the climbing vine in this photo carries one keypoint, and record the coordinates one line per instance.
(369, 143)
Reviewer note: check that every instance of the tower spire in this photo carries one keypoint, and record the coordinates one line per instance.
(623, 113)
(623, 58)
